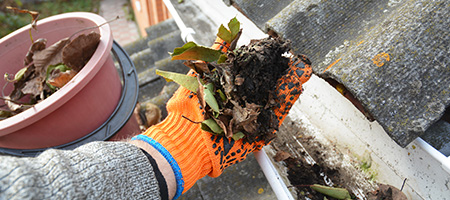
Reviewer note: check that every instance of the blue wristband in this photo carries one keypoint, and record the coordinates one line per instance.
(173, 163)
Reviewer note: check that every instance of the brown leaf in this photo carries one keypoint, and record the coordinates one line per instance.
(34, 15)
(49, 56)
(239, 80)
(281, 155)
(226, 80)
(245, 117)
(198, 66)
(13, 106)
(200, 93)
(387, 192)
(37, 45)
(33, 86)
(59, 79)
(78, 52)
(224, 128)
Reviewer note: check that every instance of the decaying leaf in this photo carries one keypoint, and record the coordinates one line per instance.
(78, 52)
(59, 78)
(13, 106)
(5, 114)
(245, 117)
(34, 86)
(192, 51)
(387, 192)
(44, 70)
(37, 45)
(49, 56)
(281, 155)
(237, 89)
(198, 66)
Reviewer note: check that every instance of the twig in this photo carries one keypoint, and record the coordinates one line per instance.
(87, 28)
(191, 120)
(404, 181)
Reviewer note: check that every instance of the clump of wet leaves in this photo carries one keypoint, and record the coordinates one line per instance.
(47, 69)
(237, 88)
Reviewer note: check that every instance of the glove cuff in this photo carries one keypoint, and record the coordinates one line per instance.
(180, 138)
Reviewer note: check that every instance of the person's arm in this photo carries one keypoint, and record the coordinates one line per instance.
(98, 170)
(163, 166)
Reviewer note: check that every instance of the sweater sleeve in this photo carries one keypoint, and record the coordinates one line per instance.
(98, 170)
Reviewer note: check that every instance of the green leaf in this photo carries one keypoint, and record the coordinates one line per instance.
(188, 82)
(338, 193)
(222, 59)
(192, 51)
(238, 135)
(235, 26)
(20, 73)
(209, 97)
(225, 34)
(211, 126)
(222, 95)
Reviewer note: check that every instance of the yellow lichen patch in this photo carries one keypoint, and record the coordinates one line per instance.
(360, 42)
(380, 59)
(331, 65)
(260, 190)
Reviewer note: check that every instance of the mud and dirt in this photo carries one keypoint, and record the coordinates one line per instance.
(309, 160)
(248, 78)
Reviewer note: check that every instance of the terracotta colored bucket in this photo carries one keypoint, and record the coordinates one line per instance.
(78, 108)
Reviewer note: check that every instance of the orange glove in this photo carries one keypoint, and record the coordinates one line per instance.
(194, 153)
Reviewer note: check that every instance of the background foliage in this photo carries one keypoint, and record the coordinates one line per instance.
(9, 21)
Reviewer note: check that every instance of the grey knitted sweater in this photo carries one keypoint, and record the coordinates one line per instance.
(98, 170)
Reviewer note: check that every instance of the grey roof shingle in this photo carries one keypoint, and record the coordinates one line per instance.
(407, 92)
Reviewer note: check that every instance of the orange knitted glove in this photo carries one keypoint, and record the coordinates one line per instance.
(194, 153)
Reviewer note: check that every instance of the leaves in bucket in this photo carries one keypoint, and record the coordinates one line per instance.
(59, 75)
(46, 70)
(78, 52)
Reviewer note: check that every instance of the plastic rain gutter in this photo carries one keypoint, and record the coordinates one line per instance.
(272, 175)
(445, 161)
(186, 33)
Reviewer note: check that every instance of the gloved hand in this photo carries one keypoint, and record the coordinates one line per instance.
(194, 153)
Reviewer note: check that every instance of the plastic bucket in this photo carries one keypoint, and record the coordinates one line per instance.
(79, 109)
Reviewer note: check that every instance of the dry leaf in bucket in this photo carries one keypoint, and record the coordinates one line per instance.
(46, 69)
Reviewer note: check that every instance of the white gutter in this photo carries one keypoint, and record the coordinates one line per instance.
(272, 175)
(186, 33)
(445, 161)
